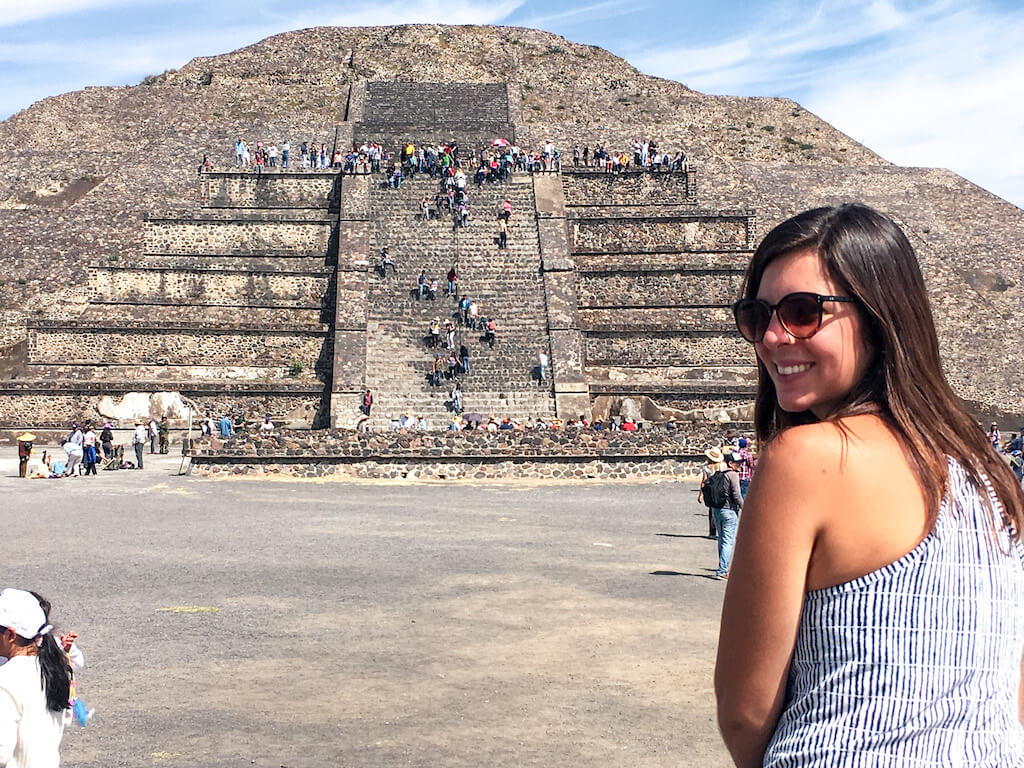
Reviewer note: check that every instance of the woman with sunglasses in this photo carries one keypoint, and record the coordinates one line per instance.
(874, 614)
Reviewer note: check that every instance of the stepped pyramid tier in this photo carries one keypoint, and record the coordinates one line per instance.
(122, 271)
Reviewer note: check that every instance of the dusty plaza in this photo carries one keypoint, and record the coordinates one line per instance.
(304, 623)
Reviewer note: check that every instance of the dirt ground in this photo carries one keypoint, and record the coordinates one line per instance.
(233, 623)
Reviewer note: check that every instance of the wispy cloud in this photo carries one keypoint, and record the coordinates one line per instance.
(609, 9)
(927, 84)
(13, 12)
(397, 12)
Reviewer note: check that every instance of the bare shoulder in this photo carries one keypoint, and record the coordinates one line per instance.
(811, 463)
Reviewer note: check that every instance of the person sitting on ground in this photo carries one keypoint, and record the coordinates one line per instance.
(629, 425)
(267, 426)
(421, 423)
(598, 425)
(406, 422)
(506, 424)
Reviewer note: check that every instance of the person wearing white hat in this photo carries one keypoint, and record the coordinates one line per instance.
(35, 685)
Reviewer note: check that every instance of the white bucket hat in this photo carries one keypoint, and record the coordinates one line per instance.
(20, 611)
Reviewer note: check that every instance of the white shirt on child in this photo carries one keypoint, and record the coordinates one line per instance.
(30, 734)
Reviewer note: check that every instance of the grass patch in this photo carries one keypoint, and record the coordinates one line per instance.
(732, 128)
(555, 49)
(798, 144)
(768, 128)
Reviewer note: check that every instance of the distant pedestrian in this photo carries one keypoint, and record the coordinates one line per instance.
(367, 403)
(164, 429)
(152, 434)
(138, 442)
(24, 452)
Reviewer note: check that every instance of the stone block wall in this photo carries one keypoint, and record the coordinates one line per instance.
(277, 189)
(196, 236)
(662, 288)
(668, 260)
(709, 232)
(667, 349)
(436, 103)
(56, 405)
(620, 319)
(594, 187)
(89, 344)
(223, 286)
(567, 454)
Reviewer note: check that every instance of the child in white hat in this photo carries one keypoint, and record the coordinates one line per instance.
(35, 684)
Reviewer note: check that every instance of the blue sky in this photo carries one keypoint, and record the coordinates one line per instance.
(922, 82)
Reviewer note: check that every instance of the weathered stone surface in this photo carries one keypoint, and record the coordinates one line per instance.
(635, 244)
(556, 454)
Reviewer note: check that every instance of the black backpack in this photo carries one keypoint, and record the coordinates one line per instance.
(716, 490)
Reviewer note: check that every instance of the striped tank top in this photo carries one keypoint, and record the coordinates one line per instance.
(918, 663)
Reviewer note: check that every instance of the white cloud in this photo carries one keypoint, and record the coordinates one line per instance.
(609, 9)
(936, 85)
(398, 12)
(20, 11)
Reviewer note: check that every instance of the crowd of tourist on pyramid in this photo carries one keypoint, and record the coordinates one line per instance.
(462, 422)
(493, 163)
(262, 155)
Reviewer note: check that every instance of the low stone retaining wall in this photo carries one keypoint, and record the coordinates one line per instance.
(477, 455)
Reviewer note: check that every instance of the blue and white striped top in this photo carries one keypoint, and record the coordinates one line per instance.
(918, 663)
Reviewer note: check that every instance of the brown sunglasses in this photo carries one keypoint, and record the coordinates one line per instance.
(799, 313)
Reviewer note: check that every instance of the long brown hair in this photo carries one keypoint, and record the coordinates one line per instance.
(869, 258)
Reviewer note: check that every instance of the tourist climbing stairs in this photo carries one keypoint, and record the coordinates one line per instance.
(505, 283)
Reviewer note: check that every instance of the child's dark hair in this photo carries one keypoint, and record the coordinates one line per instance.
(54, 669)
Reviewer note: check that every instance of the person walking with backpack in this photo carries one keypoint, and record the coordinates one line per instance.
(714, 463)
(721, 492)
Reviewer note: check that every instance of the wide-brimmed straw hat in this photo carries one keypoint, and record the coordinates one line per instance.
(714, 455)
(28, 437)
